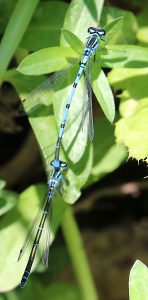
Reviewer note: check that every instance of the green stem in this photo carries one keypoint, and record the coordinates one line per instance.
(78, 256)
(15, 29)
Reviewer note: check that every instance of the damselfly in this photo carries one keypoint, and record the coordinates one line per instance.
(92, 43)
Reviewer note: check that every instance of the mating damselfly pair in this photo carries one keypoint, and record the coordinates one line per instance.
(91, 46)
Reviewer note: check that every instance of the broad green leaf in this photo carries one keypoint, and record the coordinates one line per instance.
(103, 93)
(133, 81)
(8, 200)
(45, 28)
(80, 16)
(73, 41)
(132, 131)
(119, 78)
(142, 36)
(126, 35)
(127, 107)
(18, 221)
(84, 167)
(114, 26)
(108, 156)
(131, 57)
(112, 30)
(46, 61)
(138, 287)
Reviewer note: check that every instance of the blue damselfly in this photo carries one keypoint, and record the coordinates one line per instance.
(55, 179)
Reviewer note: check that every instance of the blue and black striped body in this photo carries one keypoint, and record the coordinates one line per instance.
(53, 182)
(90, 48)
(56, 175)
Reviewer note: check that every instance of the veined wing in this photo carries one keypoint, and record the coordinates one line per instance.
(42, 95)
(87, 112)
(30, 234)
(45, 243)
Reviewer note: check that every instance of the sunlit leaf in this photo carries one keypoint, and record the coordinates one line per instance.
(131, 57)
(132, 131)
(46, 61)
(127, 33)
(18, 221)
(80, 16)
(108, 156)
(103, 93)
(138, 288)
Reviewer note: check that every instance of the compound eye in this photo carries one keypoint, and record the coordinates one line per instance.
(102, 32)
(63, 164)
(91, 30)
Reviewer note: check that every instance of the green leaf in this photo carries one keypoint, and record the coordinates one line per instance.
(138, 287)
(126, 56)
(142, 36)
(112, 30)
(17, 24)
(18, 221)
(132, 131)
(45, 28)
(80, 16)
(73, 41)
(103, 93)
(46, 61)
(107, 155)
(133, 81)
(8, 200)
(126, 34)
(114, 26)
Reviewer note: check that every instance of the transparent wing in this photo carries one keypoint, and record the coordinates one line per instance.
(46, 239)
(87, 111)
(31, 231)
(90, 109)
(42, 95)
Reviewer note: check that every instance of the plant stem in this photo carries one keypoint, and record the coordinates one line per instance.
(78, 256)
(15, 29)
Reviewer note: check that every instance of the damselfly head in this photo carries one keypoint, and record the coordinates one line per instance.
(96, 30)
(57, 164)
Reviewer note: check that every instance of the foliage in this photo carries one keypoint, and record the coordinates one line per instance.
(138, 288)
(54, 48)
